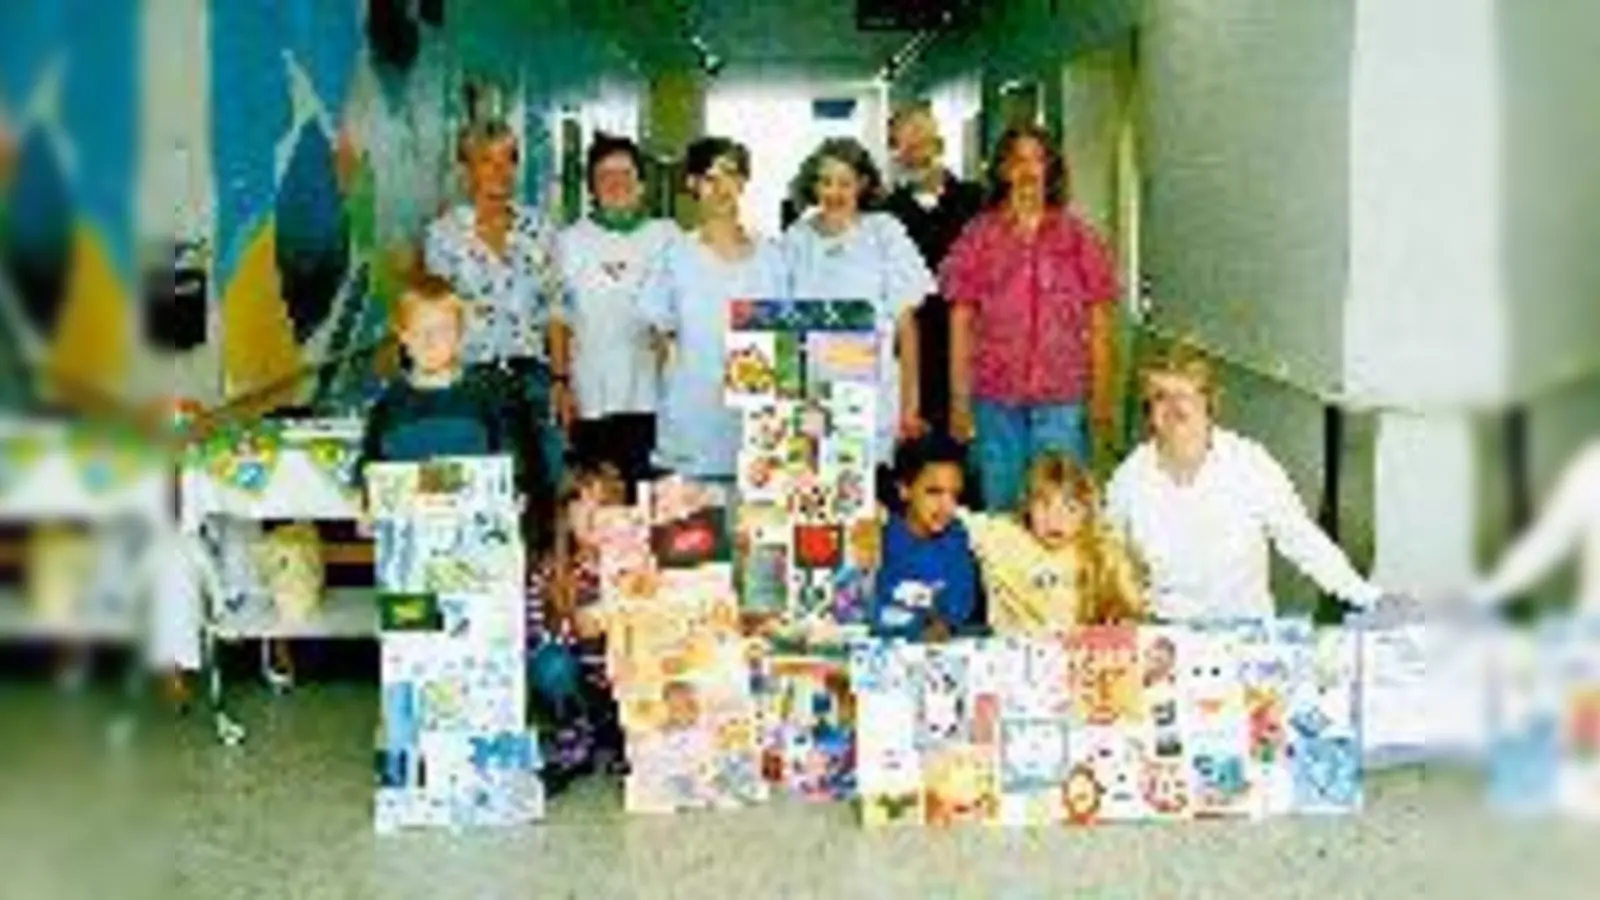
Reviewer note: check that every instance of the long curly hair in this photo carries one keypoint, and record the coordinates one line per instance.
(851, 152)
(1110, 583)
(1055, 166)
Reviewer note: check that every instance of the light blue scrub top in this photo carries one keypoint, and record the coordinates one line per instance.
(877, 261)
(687, 293)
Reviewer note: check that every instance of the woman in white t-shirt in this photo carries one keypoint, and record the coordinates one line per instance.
(844, 249)
(604, 260)
(1202, 506)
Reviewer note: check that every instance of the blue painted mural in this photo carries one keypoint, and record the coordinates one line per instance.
(330, 127)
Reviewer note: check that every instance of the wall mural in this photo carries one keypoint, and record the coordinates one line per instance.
(330, 130)
(69, 89)
(295, 196)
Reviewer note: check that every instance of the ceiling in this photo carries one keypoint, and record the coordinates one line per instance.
(814, 37)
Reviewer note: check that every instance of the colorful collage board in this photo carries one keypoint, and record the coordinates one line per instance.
(454, 746)
(1107, 724)
(804, 376)
(676, 657)
(808, 727)
(1544, 753)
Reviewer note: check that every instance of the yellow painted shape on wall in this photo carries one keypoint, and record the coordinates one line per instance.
(89, 354)
(258, 346)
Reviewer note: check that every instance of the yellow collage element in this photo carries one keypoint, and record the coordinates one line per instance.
(258, 345)
(90, 353)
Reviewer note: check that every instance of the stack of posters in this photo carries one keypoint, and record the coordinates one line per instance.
(804, 377)
(1244, 720)
(678, 664)
(1544, 756)
(454, 746)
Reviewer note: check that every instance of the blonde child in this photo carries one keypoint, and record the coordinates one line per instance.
(1056, 562)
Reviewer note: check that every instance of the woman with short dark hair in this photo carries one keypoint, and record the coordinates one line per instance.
(685, 301)
(604, 259)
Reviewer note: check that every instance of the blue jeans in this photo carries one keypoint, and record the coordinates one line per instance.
(552, 444)
(528, 381)
(1011, 436)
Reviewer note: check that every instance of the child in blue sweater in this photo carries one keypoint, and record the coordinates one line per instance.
(927, 588)
(439, 409)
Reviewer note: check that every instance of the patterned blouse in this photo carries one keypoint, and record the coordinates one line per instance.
(511, 299)
(1031, 299)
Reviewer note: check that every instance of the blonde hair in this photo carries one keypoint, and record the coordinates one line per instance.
(424, 289)
(1110, 583)
(1183, 359)
(917, 110)
(479, 133)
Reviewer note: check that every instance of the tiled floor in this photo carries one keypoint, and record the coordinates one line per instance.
(172, 815)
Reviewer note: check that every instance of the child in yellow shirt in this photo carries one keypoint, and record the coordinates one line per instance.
(1056, 562)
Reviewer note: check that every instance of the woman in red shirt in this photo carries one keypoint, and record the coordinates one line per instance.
(1033, 290)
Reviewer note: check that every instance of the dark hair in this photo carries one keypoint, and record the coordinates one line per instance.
(704, 153)
(914, 456)
(803, 189)
(1055, 168)
(603, 147)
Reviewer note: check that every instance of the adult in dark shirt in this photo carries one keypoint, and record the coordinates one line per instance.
(934, 205)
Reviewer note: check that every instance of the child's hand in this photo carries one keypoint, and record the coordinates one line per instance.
(589, 624)
(560, 600)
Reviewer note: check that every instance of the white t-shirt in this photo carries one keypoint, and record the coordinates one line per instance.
(1206, 543)
(1570, 520)
(877, 261)
(602, 271)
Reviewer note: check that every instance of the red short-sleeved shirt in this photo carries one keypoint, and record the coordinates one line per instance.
(1031, 300)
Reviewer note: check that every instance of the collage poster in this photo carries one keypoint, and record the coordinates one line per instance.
(1109, 724)
(1544, 750)
(676, 657)
(804, 377)
(454, 745)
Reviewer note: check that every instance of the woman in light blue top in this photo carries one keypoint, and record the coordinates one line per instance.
(685, 300)
(845, 250)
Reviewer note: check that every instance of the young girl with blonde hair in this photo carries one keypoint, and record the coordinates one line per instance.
(1056, 562)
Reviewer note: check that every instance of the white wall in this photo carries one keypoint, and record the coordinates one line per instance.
(773, 118)
(954, 102)
(1425, 314)
(1549, 51)
(1245, 227)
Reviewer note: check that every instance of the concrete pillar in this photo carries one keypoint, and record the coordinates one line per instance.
(1427, 337)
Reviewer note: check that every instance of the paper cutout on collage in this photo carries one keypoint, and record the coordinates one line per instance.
(675, 655)
(1109, 724)
(455, 749)
(804, 377)
(808, 728)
